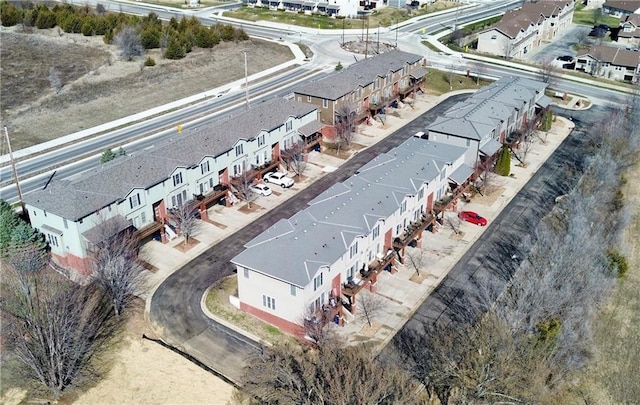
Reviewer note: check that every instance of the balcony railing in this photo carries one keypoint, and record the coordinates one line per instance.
(413, 231)
(148, 230)
(369, 273)
(325, 315)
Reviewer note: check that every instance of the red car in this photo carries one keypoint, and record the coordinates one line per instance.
(472, 217)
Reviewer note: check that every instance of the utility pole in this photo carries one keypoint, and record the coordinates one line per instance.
(378, 50)
(246, 80)
(396, 33)
(343, 32)
(15, 171)
(366, 44)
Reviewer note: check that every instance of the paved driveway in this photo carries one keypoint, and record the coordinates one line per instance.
(175, 306)
(488, 263)
(562, 45)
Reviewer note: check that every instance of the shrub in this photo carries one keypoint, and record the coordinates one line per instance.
(618, 263)
(10, 15)
(150, 61)
(174, 50)
(45, 19)
(503, 164)
(339, 67)
(547, 119)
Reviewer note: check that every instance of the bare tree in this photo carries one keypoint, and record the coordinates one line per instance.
(116, 265)
(369, 305)
(449, 76)
(242, 184)
(581, 36)
(454, 223)
(53, 328)
(296, 158)
(346, 116)
(128, 42)
(329, 375)
(186, 220)
(416, 258)
(507, 48)
(480, 69)
(55, 80)
(548, 72)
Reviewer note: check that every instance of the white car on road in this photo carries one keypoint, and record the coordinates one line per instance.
(261, 189)
(278, 178)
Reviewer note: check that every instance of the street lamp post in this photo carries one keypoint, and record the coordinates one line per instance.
(246, 80)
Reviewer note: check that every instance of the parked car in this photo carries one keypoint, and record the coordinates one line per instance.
(565, 58)
(598, 32)
(472, 217)
(278, 178)
(261, 189)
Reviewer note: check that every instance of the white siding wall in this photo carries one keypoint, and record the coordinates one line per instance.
(470, 155)
(252, 289)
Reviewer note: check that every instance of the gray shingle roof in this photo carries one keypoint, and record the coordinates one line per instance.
(361, 73)
(322, 233)
(76, 198)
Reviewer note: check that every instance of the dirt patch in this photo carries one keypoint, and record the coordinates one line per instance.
(246, 209)
(184, 247)
(490, 198)
(456, 235)
(419, 278)
(370, 331)
(218, 224)
(149, 266)
(98, 87)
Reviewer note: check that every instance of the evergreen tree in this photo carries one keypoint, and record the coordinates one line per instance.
(23, 234)
(503, 164)
(8, 221)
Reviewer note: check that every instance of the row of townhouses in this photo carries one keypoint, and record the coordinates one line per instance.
(143, 188)
(308, 269)
(199, 164)
(621, 8)
(332, 8)
(610, 62)
(366, 87)
(526, 28)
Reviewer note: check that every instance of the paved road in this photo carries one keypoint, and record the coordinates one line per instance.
(483, 271)
(175, 306)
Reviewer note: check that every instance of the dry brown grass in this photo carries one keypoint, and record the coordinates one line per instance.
(100, 88)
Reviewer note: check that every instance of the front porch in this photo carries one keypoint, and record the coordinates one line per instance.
(369, 274)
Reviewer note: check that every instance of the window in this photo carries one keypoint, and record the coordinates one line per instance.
(246, 273)
(134, 201)
(494, 37)
(398, 229)
(421, 194)
(350, 272)
(468, 143)
(269, 302)
(325, 103)
(289, 126)
(239, 150)
(53, 240)
(260, 140)
(143, 218)
(237, 169)
(204, 167)
(403, 207)
(177, 179)
(317, 281)
(293, 290)
(376, 231)
(308, 99)
(353, 250)
(64, 221)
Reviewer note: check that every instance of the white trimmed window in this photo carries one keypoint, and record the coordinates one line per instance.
(204, 167)
(317, 282)
(134, 201)
(177, 179)
(268, 302)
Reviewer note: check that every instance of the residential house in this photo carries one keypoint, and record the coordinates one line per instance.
(308, 269)
(482, 123)
(629, 33)
(142, 189)
(610, 62)
(342, 8)
(365, 87)
(524, 29)
(621, 8)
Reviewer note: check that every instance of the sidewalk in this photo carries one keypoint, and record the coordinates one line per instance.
(400, 292)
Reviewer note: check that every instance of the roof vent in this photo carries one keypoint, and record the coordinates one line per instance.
(295, 237)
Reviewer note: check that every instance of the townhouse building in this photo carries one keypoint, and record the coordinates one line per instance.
(140, 190)
(308, 269)
(621, 8)
(629, 33)
(366, 87)
(524, 29)
(610, 62)
(482, 123)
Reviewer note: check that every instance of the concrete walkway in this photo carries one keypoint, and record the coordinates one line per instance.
(400, 294)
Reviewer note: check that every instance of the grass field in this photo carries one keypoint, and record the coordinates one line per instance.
(589, 17)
